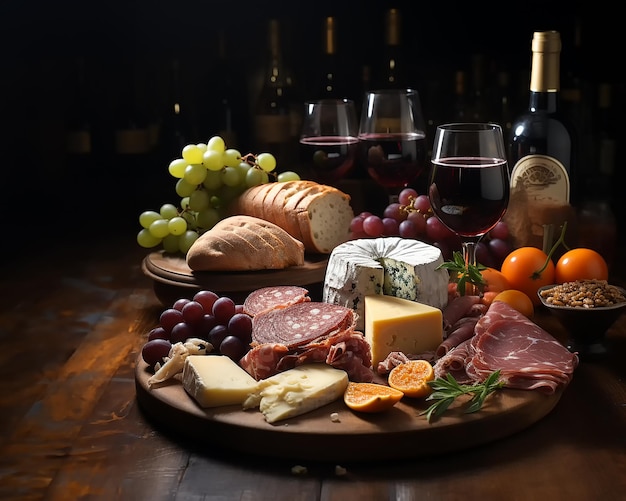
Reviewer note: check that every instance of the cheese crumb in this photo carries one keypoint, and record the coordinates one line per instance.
(299, 470)
(340, 471)
(334, 417)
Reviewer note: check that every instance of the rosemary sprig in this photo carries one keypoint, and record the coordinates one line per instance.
(446, 390)
(463, 273)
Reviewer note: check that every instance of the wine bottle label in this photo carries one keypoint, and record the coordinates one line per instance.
(272, 129)
(132, 141)
(78, 142)
(542, 177)
(539, 202)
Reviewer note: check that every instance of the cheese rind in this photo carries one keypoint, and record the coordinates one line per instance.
(216, 380)
(396, 324)
(393, 266)
(297, 391)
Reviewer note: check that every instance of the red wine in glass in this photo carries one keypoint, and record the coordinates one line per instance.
(329, 158)
(394, 160)
(469, 194)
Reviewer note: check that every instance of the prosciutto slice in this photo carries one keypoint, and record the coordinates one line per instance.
(527, 356)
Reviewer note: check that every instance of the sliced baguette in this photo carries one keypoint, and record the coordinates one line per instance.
(327, 212)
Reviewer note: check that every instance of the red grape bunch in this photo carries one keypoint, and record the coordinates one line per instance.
(207, 316)
(412, 217)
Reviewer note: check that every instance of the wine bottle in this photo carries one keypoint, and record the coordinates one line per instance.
(132, 165)
(331, 83)
(226, 99)
(392, 71)
(542, 154)
(276, 126)
(177, 130)
(460, 107)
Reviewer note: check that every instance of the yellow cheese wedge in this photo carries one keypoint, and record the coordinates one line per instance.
(215, 380)
(396, 324)
(297, 391)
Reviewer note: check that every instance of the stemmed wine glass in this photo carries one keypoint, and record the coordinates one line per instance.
(328, 140)
(392, 139)
(469, 181)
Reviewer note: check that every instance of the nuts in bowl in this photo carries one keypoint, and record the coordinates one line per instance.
(586, 308)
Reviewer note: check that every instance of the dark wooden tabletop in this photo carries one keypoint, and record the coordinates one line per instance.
(72, 323)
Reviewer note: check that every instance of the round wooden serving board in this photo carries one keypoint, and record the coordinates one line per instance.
(396, 434)
(173, 279)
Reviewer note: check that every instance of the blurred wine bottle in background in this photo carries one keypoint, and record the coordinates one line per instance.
(223, 98)
(278, 110)
(391, 70)
(331, 81)
(130, 174)
(543, 154)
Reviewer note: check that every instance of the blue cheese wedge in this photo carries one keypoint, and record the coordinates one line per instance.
(215, 380)
(297, 391)
(392, 266)
(396, 324)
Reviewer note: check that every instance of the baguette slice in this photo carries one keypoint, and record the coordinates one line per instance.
(317, 215)
(245, 243)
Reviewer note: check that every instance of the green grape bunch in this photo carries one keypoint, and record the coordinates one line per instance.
(208, 178)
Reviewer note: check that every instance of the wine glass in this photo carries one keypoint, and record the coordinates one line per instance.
(328, 140)
(469, 181)
(392, 139)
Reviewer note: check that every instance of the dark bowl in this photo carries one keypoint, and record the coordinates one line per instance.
(586, 327)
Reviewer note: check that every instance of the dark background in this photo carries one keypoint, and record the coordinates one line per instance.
(40, 40)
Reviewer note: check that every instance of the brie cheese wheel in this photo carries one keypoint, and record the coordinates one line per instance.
(394, 266)
(297, 391)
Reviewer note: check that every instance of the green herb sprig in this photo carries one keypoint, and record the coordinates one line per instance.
(464, 274)
(448, 389)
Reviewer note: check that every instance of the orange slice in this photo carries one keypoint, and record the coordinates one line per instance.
(370, 397)
(412, 377)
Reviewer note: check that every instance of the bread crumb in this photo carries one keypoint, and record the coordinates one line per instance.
(299, 470)
(334, 417)
(340, 471)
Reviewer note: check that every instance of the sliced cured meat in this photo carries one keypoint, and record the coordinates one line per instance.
(454, 362)
(261, 361)
(527, 356)
(459, 332)
(457, 309)
(301, 323)
(396, 358)
(269, 298)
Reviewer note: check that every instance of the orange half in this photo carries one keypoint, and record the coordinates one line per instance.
(370, 397)
(412, 378)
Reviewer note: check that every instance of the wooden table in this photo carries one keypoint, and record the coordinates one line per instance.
(72, 323)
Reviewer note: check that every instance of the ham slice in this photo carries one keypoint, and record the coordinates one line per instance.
(527, 356)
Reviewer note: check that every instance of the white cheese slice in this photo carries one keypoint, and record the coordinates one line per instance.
(396, 324)
(215, 380)
(297, 391)
(394, 266)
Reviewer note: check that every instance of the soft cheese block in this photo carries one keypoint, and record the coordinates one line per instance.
(215, 380)
(396, 324)
(297, 391)
(393, 266)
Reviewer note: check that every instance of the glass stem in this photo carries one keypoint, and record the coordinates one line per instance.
(469, 255)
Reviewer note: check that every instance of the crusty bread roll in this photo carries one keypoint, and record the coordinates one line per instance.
(316, 214)
(245, 243)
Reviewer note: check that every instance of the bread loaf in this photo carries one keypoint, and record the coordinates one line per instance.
(316, 214)
(245, 243)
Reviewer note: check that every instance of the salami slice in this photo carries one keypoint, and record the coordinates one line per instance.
(269, 298)
(301, 323)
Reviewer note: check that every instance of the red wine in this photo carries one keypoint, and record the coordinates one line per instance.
(328, 158)
(394, 160)
(469, 195)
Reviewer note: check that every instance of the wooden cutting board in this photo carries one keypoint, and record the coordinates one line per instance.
(397, 434)
(173, 279)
